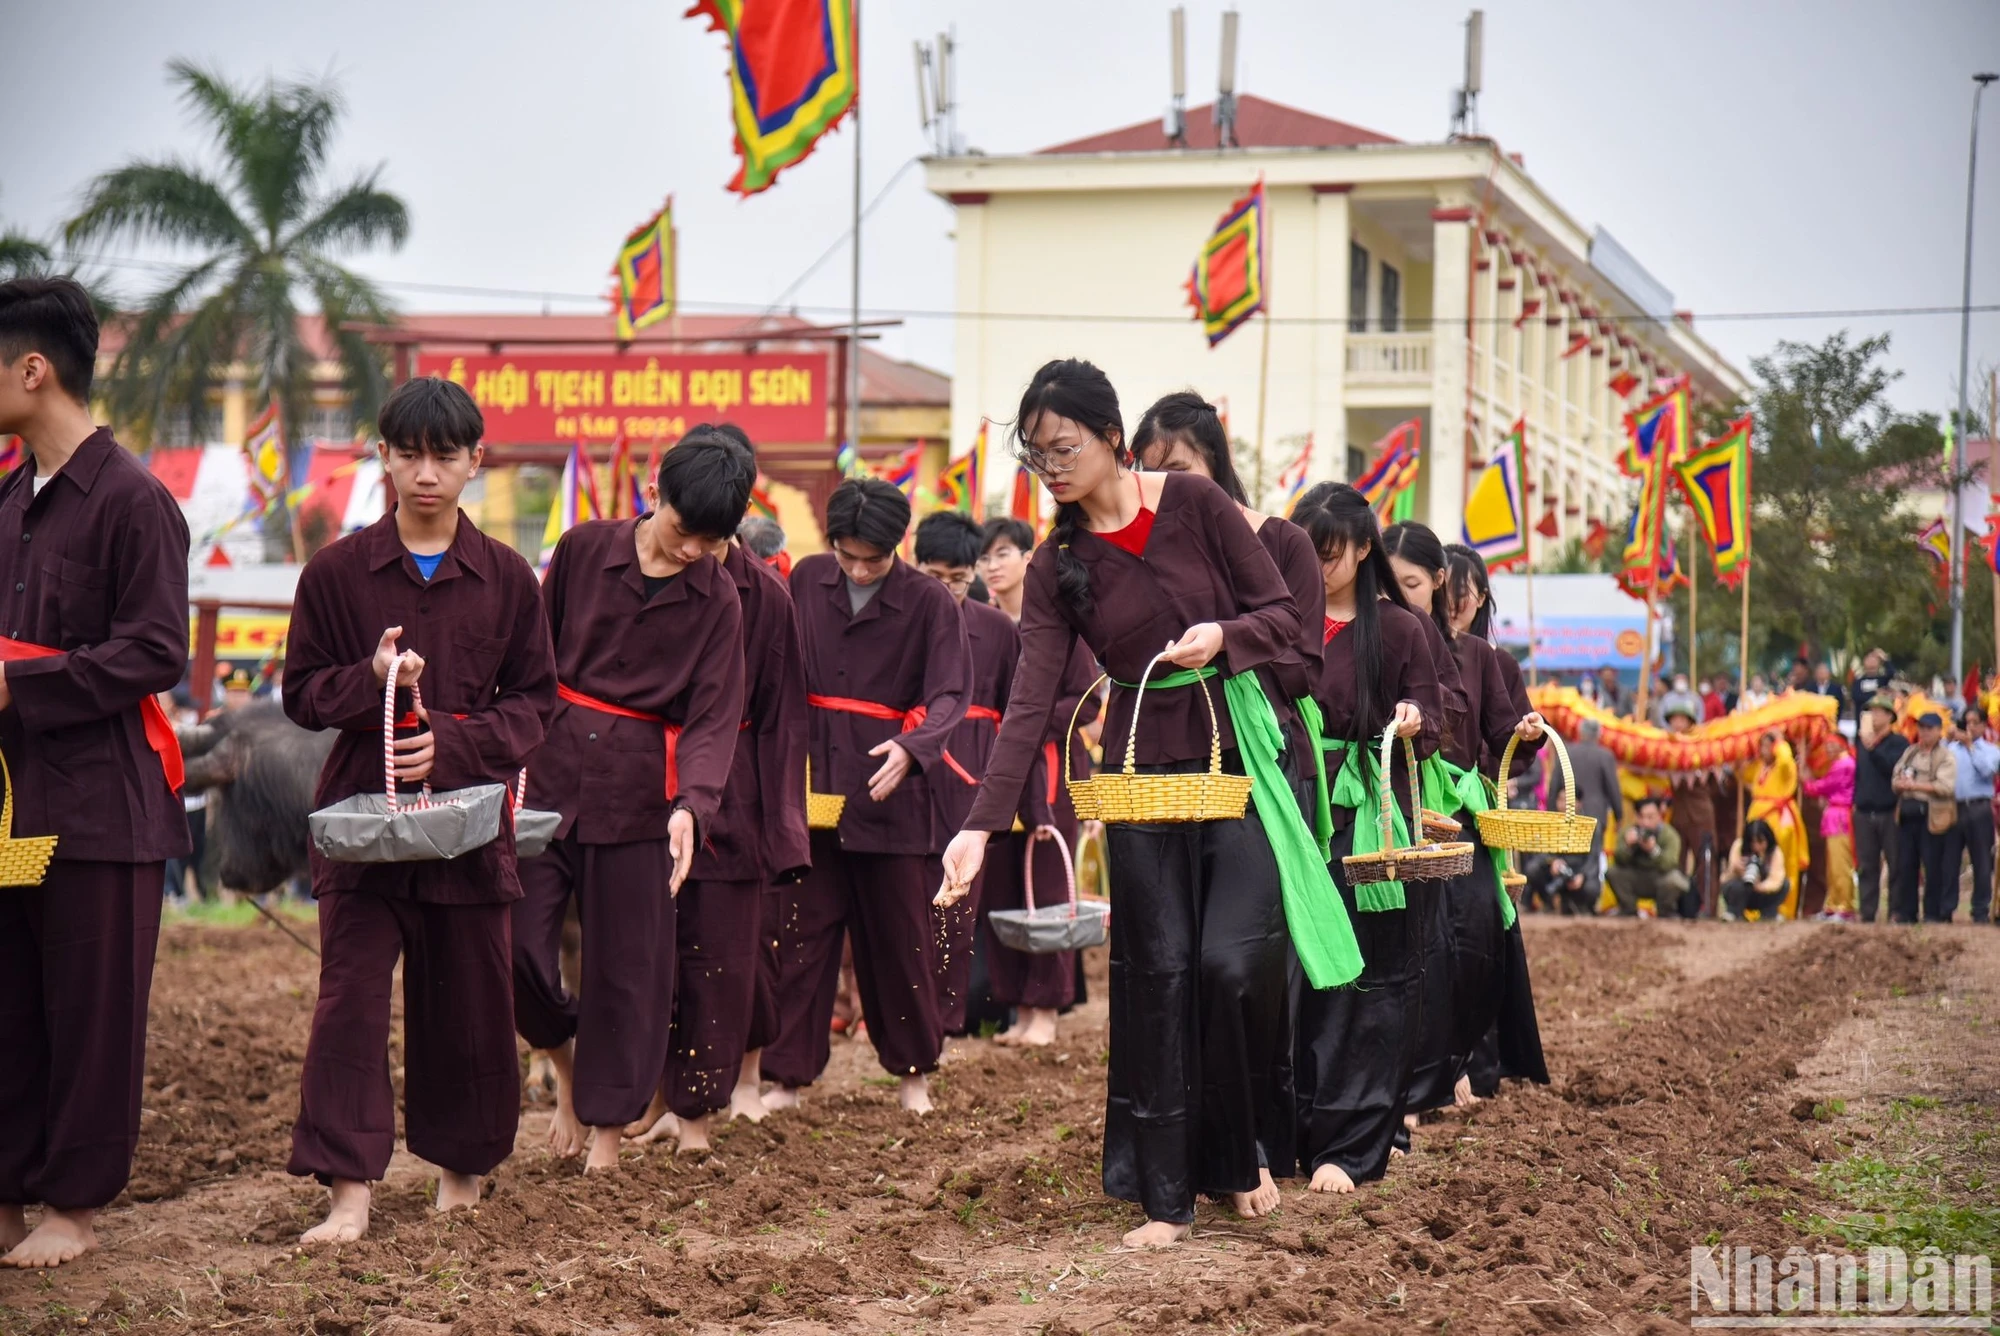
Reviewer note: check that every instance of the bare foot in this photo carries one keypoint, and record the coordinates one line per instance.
(457, 1191)
(745, 1102)
(1461, 1093)
(13, 1227)
(1040, 1029)
(694, 1137)
(63, 1236)
(666, 1125)
(604, 1147)
(565, 1132)
(1156, 1234)
(650, 1119)
(1011, 1036)
(541, 1082)
(781, 1097)
(1395, 1152)
(346, 1219)
(1260, 1200)
(916, 1094)
(1330, 1178)
(1410, 1121)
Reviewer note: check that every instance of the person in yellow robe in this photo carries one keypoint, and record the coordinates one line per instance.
(1774, 798)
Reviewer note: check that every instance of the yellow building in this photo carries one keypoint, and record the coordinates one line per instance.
(1435, 281)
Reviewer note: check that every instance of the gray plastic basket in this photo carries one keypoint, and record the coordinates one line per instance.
(1065, 927)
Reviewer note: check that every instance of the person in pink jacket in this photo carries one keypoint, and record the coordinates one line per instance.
(1835, 788)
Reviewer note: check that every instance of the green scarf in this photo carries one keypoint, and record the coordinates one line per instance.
(1357, 786)
(1470, 790)
(1318, 920)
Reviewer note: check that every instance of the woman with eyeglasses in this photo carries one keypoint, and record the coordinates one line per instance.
(1142, 566)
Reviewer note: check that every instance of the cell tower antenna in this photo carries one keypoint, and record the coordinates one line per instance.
(1465, 101)
(1175, 124)
(1225, 100)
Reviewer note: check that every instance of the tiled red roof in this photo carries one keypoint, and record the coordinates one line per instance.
(1259, 124)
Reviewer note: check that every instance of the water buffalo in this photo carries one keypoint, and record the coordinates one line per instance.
(259, 769)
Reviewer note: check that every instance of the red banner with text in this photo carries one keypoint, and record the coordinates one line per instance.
(557, 399)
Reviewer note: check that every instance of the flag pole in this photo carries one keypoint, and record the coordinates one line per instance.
(1528, 562)
(1263, 383)
(1694, 603)
(854, 268)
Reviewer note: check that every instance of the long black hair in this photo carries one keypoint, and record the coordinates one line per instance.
(1416, 544)
(1074, 389)
(1338, 519)
(1468, 580)
(1186, 416)
(1760, 828)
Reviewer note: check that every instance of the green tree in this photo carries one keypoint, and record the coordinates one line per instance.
(1834, 565)
(21, 254)
(272, 226)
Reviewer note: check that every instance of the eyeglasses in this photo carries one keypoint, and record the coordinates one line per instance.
(953, 580)
(1059, 459)
(859, 560)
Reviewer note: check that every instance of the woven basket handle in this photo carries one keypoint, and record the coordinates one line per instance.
(1028, 868)
(6, 803)
(1214, 724)
(1388, 790)
(521, 790)
(389, 739)
(1069, 738)
(1562, 756)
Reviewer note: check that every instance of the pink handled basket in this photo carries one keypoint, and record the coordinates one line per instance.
(534, 829)
(1065, 927)
(385, 827)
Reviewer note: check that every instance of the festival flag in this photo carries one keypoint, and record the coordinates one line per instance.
(760, 497)
(1529, 307)
(1640, 555)
(903, 470)
(1657, 428)
(1549, 526)
(961, 484)
(1394, 472)
(1935, 540)
(848, 460)
(10, 455)
(628, 483)
(793, 73)
(1595, 536)
(1624, 383)
(1496, 515)
(575, 503)
(1227, 284)
(1292, 477)
(1665, 576)
(1716, 481)
(1576, 345)
(264, 449)
(645, 273)
(1026, 503)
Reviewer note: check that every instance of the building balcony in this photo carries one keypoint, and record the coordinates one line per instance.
(1389, 370)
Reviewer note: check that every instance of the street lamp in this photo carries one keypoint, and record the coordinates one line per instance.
(1964, 345)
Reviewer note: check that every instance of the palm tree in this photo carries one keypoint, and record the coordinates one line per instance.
(21, 255)
(271, 226)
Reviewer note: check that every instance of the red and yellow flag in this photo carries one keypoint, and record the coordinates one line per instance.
(1227, 285)
(645, 273)
(793, 73)
(1716, 480)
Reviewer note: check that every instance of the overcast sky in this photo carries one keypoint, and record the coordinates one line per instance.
(1756, 156)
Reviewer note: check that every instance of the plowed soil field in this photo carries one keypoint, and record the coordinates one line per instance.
(1708, 1080)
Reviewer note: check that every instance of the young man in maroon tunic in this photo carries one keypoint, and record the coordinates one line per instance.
(888, 674)
(757, 847)
(649, 651)
(95, 565)
(948, 551)
(474, 653)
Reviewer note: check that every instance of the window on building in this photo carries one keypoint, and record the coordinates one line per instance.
(330, 422)
(1357, 462)
(180, 426)
(1392, 300)
(1357, 288)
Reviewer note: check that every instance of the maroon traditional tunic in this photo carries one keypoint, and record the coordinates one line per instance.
(93, 566)
(1201, 563)
(1299, 564)
(1408, 673)
(674, 656)
(489, 684)
(1491, 711)
(727, 926)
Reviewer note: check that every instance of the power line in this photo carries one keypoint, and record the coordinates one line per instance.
(1089, 317)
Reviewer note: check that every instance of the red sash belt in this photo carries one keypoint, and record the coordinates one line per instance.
(909, 719)
(672, 731)
(160, 734)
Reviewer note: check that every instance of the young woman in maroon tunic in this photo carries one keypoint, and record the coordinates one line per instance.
(1512, 1046)
(1182, 433)
(1473, 943)
(1356, 1046)
(1199, 1096)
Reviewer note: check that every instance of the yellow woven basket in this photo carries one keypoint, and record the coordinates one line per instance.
(822, 809)
(24, 860)
(1132, 797)
(1435, 861)
(1532, 832)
